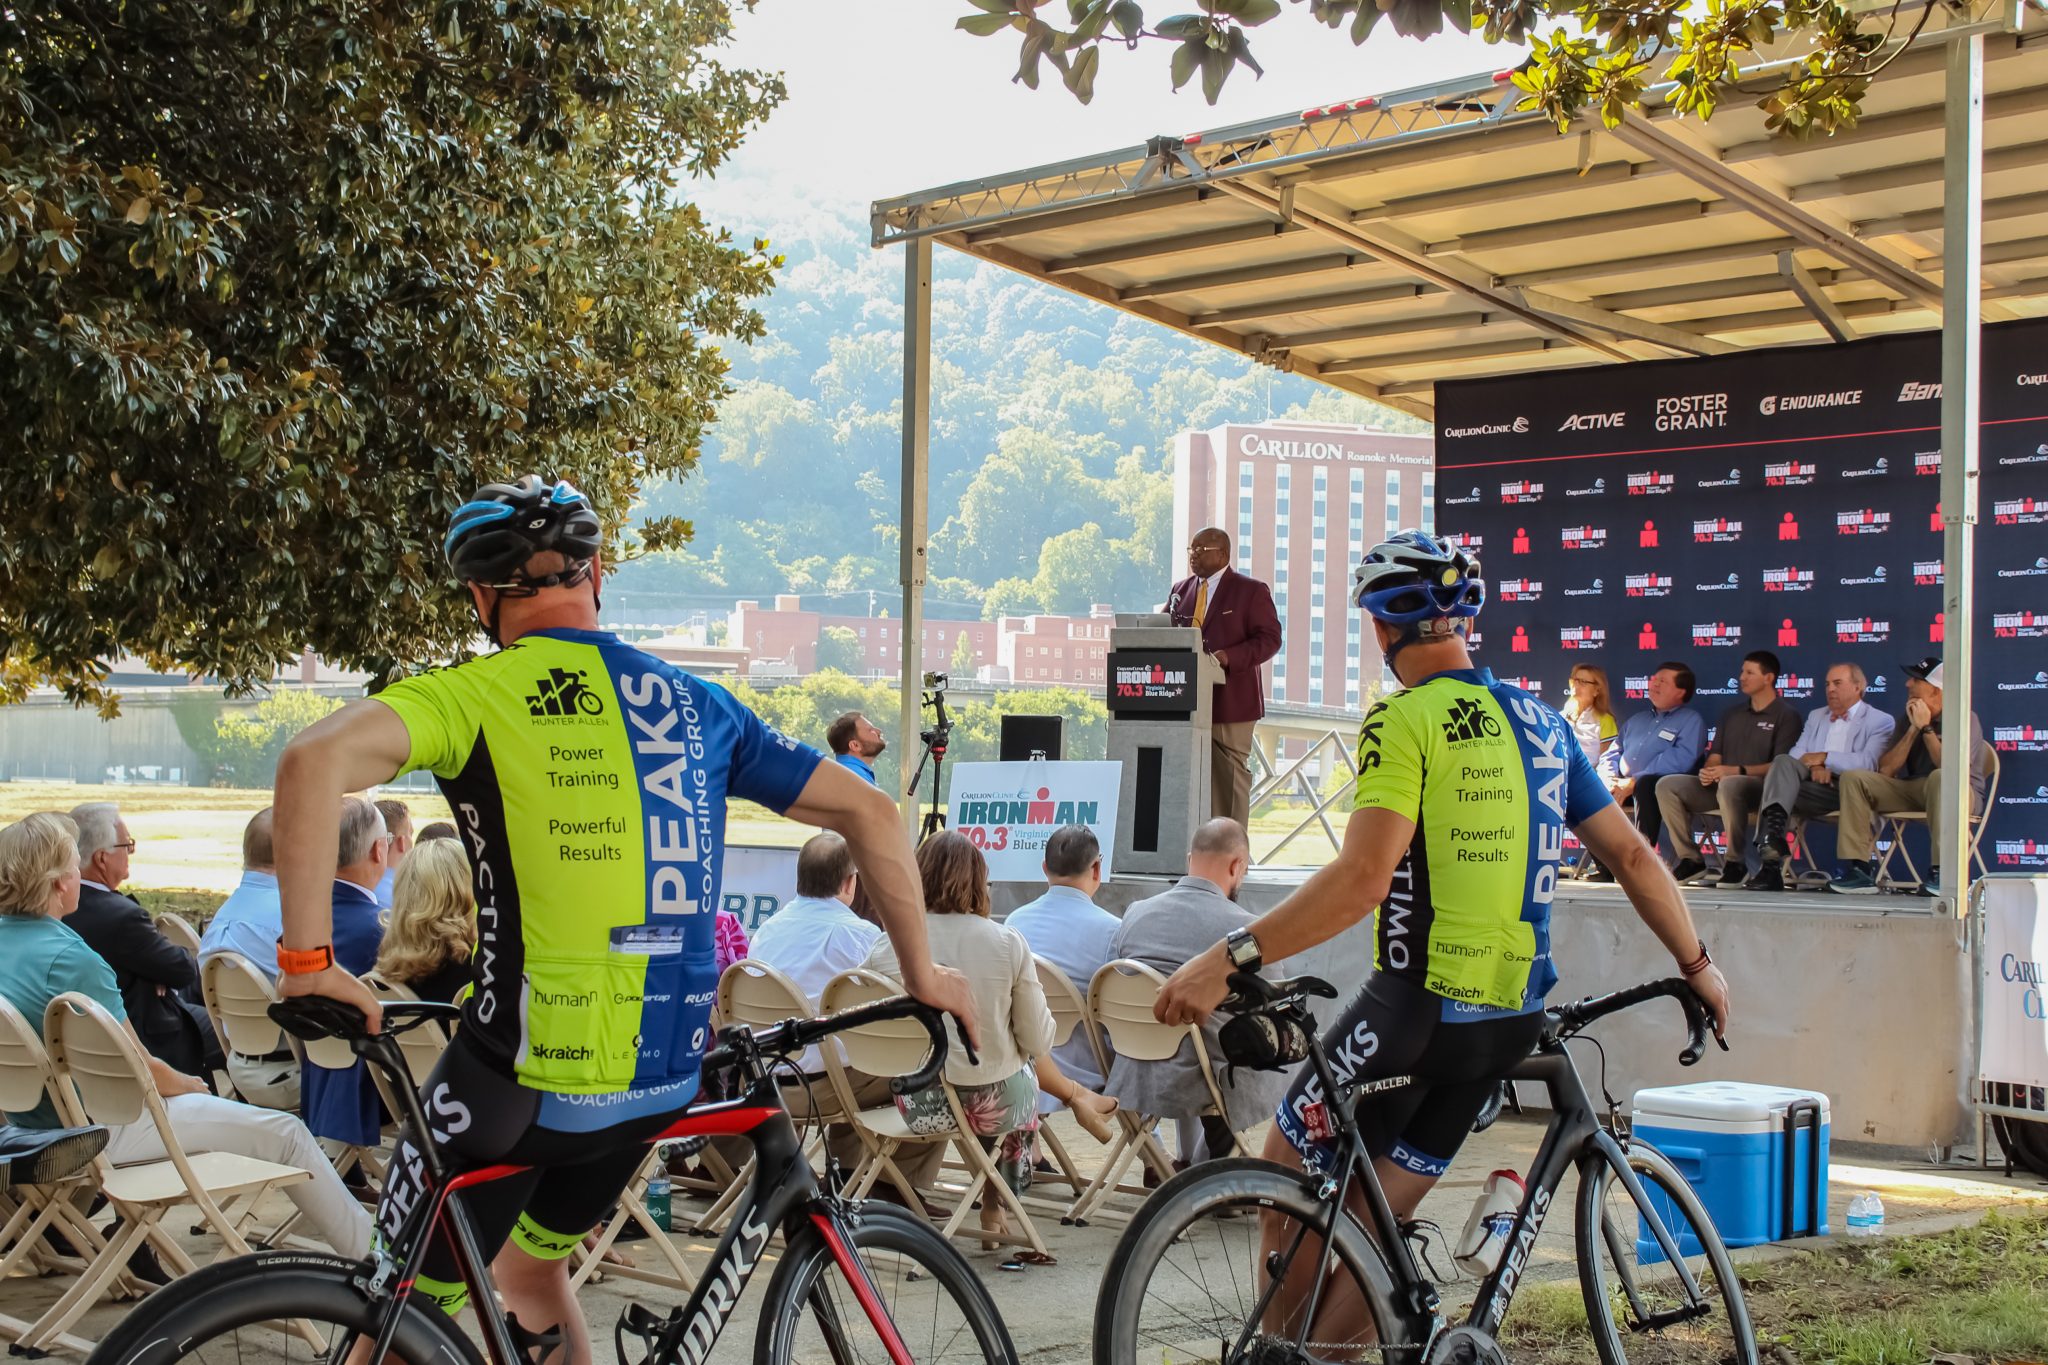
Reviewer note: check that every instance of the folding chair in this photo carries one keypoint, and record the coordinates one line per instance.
(179, 931)
(28, 1211)
(1069, 1012)
(111, 1079)
(1892, 825)
(421, 1047)
(633, 1209)
(238, 1000)
(1120, 998)
(897, 1047)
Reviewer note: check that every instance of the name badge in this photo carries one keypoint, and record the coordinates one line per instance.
(648, 940)
(1668, 736)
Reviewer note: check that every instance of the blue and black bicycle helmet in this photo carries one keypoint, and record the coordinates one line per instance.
(1420, 583)
(504, 525)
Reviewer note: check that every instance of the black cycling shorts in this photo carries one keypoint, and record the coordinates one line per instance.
(1394, 1028)
(480, 1117)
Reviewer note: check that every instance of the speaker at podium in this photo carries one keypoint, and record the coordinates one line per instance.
(1159, 690)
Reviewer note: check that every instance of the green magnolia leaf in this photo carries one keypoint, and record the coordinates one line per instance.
(1215, 70)
(1186, 58)
(1364, 21)
(1002, 7)
(1129, 18)
(1080, 77)
(982, 25)
(1185, 26)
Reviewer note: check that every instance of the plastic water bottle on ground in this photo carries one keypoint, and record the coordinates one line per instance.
(658, 1198)
(1486, 1231)
(1859, 1216)
(1873, 1215)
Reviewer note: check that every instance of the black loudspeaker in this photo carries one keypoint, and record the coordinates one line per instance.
(1029, 737)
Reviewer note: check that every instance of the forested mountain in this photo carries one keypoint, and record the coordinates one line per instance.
(1052, 436)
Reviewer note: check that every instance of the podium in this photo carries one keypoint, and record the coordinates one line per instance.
(1159, 689)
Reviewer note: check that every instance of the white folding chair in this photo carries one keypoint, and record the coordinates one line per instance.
(1069, 1012)
(179, 931)
(111, 1079)
(633, 1209)
(1120, 999)
(1891, 827)
(897, 1047)
(238, 1000)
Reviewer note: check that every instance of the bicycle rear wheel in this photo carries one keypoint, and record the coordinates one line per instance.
(1634, 1295)
(813, 1313)
(1189, 1283)
(246, 1309)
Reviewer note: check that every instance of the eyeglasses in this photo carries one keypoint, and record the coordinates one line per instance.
(128, 847)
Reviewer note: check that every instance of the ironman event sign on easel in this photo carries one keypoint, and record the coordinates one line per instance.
(1009, 810)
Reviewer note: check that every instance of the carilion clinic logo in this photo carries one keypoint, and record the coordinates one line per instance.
(2029, 976)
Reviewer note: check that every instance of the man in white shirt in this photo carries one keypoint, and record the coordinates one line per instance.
(1847, 735)
(1068, 929)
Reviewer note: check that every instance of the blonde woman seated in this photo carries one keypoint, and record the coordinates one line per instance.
(432, 933)
(999, 1093)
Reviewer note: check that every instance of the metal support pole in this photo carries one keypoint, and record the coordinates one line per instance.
(1962, 241)
(916, 514)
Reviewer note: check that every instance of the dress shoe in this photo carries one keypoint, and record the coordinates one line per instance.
(1731, 875)
(1766, 878)
(1688, 870)
(37, 1156)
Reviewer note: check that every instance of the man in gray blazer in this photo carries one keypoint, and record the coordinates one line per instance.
(1163, 932)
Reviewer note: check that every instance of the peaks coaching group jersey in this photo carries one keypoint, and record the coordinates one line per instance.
(589, 781)
(1491, 777)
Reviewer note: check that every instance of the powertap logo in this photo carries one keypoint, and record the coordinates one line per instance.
(1874, 578)
(2021, 853)
(1521, 490)
(1521, 590)
(2039, 567)
(1733, 480)
(1581, 637)
(1649, 484)
(1864, 521)
(1809, 402)
(1466, 501)
(1592, 489)
(1929, 461)
(1790, 474)
(1647, 585)
(2019, 625)
(2019, 739)
(1584, 537)
(564, 694)
(1876, 469)
(1520, 424)
(1593, 589)
(1729, 584)
(1636, 687)
(1926, 573)
(1716, 634)
(1862, 630)
(1594, 421)
(2040, 456)
(1788, 580)
(1716, 531)
(1692, 412)
(2019, 512)
(1918, 393)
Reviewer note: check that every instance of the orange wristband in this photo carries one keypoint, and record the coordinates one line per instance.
(306, 961)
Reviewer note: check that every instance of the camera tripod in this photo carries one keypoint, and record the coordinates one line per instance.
(934, 739)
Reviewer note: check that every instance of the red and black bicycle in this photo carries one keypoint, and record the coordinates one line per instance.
(852, 1282)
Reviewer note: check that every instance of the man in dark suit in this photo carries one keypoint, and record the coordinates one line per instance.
(342, 1106)
(1240, 630)
(159, 981)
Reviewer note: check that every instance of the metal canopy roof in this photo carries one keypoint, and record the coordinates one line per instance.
(1384, 244)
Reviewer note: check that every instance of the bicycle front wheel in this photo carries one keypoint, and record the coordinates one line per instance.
(924, 1289)
(284, 1306)
(1220, 1265)
(1635, 1297)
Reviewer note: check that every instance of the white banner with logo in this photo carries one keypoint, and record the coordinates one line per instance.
(756, 883)
(2015, 1043)
(1009, 810)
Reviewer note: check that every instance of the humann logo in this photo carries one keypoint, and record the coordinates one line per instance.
(564, 692)
(1469, 720)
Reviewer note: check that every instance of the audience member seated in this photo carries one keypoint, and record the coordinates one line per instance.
(159, 981)
(397, 825)
(1665, 739)
(1750, 736)
(432, 934)
(1164, 932)
(249, 923)
(41, 958)
(1590, 709)
(999, 1092)
(342, 1106)
(728, 940)
(1068, 929)
(1847, 735)
(1907, 777)
(439, 829)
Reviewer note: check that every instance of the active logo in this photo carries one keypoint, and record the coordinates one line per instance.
(1581, 637)
(1647, 585)
(1790, 474)
(1716, 634)
(1521, 590)
(1788, 579)
(1716, 531)
(1864, 521)
(1594, 421)
(1467, 721)
(1521, 490)
(1649, 484)
(2019, 625)
(564, 692)
(1862, 630)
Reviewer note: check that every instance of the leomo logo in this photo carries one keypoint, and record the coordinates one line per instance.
(564, 692)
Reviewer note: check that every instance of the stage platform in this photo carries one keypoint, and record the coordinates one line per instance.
(1865, 998)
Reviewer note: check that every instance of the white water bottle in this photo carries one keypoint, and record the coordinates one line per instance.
(1873, 1215)
(1859, 1216)
(1486, 1231)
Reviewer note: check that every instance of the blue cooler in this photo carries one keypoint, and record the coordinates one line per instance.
(1756, 1155)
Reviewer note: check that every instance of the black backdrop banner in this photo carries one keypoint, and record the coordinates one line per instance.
(1788, 499)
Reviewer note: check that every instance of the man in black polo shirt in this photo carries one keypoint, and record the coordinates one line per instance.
(1749, 735)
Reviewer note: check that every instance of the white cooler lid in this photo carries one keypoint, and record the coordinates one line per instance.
(1741, 1106)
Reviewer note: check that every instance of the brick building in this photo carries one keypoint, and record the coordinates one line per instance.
(1044, 651)
(786, 632)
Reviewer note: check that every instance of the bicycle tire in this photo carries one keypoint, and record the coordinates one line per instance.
(1658, 1176)
(805, 1320)
(1176, 1206)
(218, 1304)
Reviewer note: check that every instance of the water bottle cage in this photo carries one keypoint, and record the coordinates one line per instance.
(641, 1324)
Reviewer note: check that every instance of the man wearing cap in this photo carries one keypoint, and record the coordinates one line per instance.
(1907, 777)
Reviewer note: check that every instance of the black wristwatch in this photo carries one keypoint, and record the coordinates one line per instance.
(1242, 950)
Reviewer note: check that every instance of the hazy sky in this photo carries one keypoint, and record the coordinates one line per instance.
(886, 97)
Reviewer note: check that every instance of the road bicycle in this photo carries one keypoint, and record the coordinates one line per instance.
(853, 1282)
(1207, 1270)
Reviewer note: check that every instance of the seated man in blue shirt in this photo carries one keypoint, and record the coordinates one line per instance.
(855, 744)
(1068, 929)
(249, 923)
(342, 1106)
(1668, 738)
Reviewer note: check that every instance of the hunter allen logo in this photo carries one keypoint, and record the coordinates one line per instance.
(564, 692)
(1467, 721)
(1788, 580)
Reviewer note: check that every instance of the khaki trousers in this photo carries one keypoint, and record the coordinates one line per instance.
(1230, 773)
(1866, 795)
(1682, 797)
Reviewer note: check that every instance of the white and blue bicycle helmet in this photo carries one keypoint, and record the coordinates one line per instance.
(1424, 585)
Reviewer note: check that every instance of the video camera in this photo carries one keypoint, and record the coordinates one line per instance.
(941, 730)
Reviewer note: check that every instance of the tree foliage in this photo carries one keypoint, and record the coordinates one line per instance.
(238, 746)
(281, 281)
(839, 649)
(1598, 55)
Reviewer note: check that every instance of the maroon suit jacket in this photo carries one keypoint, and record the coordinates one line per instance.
(1241, 622)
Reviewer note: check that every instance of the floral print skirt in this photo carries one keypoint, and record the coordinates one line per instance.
(1003, 1114)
